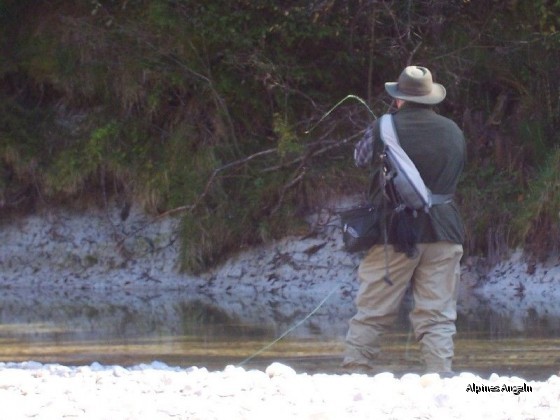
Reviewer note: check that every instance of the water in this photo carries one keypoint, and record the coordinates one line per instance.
(186, 329)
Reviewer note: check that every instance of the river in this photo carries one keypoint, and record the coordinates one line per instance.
(185, 329)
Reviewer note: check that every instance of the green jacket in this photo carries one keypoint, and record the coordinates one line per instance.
(436, 145)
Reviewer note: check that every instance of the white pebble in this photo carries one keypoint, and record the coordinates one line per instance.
(278, 369)
(494, 377)
(429, 379)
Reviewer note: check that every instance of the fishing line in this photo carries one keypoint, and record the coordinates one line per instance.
(337, 105)
(407, 355)
(289, 330)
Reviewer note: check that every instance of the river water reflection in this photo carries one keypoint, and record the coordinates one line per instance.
(187, 329)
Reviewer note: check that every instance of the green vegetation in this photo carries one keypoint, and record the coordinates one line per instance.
(201, 108)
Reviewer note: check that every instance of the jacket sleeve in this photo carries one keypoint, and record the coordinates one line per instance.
(363, 151)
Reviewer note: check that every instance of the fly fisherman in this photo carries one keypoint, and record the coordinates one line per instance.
(436, 145)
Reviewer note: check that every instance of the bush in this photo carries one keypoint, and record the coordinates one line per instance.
(203, 108)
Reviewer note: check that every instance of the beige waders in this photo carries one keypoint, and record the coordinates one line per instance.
(434, 277)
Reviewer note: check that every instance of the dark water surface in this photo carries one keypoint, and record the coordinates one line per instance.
(182, 329)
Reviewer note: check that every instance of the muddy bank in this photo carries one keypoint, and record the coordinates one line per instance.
(96, 256)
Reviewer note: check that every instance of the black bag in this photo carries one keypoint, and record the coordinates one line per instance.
(361, 228)
(406, 233)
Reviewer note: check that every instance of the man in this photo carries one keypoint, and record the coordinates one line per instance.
(436, 145)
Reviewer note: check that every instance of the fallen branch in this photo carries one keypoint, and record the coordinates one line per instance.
(302, 161)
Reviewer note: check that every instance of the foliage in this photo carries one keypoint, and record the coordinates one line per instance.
(203, 107)
(537, 225)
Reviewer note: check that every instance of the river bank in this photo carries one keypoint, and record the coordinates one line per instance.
(98, 253)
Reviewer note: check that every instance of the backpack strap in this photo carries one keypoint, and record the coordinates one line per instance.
(409, 182)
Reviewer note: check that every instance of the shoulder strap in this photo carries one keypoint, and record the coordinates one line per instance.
(408, 181)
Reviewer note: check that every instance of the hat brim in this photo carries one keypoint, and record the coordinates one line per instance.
(434, 97)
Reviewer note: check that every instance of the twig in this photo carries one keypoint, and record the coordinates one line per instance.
(286, 188)
(411, 56)
(213, 176)
(311, 154)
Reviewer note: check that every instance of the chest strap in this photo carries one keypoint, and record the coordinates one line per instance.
(438, 199)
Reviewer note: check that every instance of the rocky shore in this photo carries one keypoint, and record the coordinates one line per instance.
(157, 391)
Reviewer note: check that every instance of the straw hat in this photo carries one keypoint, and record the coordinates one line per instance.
(415, 84)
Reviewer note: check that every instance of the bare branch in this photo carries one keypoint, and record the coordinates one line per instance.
(213, 176)
(287, 186)
(313, 153)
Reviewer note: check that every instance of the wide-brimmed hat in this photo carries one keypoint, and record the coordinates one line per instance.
(415, 84)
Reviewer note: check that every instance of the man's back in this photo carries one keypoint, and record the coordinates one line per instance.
(434, 143)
